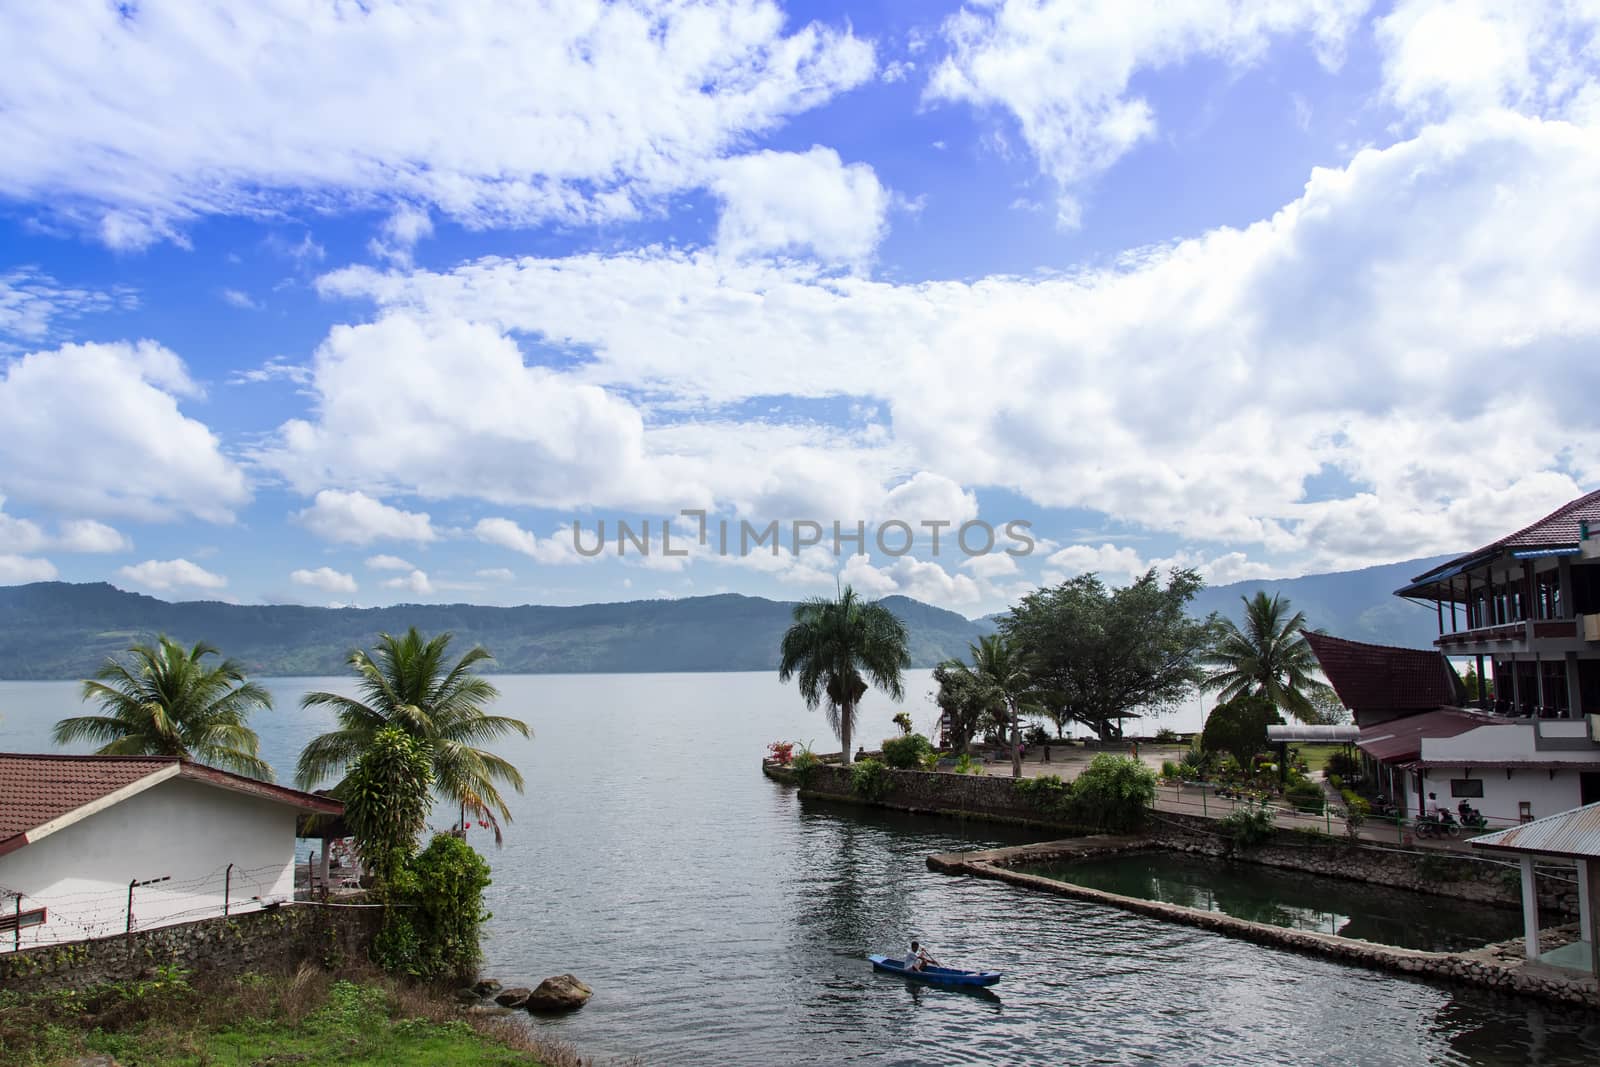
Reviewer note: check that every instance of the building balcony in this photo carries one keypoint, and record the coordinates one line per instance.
(1490, 639)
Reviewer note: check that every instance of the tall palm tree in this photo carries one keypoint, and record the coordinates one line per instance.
(999, 676)
(1268, 657)
(406, 682)
(165, 701)
(829, 648)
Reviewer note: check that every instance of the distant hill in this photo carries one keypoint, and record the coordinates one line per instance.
(64, 630)
(1359, 605)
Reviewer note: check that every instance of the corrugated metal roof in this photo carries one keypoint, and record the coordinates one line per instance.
(1574, 833)
(1300, 732)
(1401, 739)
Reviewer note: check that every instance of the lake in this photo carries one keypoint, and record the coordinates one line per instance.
(721, 920)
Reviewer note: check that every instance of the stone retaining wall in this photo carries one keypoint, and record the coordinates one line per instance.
(276, 940)
(928, 792)
(1488, 967)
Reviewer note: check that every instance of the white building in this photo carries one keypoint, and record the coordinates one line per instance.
(98, 845)
(1515, 771)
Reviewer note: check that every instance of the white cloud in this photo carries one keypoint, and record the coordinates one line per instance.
(388, 563)
(1113, 563)
(172, 574)
(1063, 68)
(400, 233)
(355, 518)
(87, 535)
(326, 579)
(496, 574)
(136, 118)
(18, 570)
(992, 565)
(239, 299)
(275, 369)
(96, 428)
(557, 548)
(793, 202)
(31, 302)
(416, 582)
(1205, 389)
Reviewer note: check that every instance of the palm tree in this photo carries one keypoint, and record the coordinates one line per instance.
(166, 702)
(831, 644)
(406, 682)
(1269, 657)
(1000, 680)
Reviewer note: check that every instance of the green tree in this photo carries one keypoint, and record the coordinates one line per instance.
(1100, 656)
(167, 701)
(1269, 656)
(963, 701)
(834, 646)
(407, 682)
(1113, 793)
(1000, 683)
(1239, 727)
(386, 799)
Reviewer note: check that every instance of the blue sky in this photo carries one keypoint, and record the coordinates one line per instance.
(333, 303)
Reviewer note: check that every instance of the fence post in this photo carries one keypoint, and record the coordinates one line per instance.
(227, 889)
(1203, 801)
(131, 883)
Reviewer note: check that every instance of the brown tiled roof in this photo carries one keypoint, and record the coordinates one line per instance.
(36, 789)
(1381, 678)
(1560, 527)
(1401, 739)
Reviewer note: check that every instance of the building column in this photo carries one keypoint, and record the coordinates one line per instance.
(1564, 577)
(1530, 910)
(1585, 902)
(1589, 879)
(323, 864)
(1574, 687)
(1516, 686)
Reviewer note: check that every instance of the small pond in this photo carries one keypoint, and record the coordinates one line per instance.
(1293, 899)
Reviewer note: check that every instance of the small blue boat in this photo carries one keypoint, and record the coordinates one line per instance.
(935, 975)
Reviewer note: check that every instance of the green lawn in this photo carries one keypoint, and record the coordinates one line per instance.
(307, 1020)
(1316, 756)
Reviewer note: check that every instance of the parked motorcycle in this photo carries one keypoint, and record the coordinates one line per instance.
(1437, 824)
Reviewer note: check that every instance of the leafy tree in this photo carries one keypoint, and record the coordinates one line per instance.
(167, 701)
(434, 931)
(1268, 656)
(829, 648)
(1327, 709)
(408, 683)
(1000, 683)
(1239, 727)
(386, 799)
(965, 703)
(1100, 656)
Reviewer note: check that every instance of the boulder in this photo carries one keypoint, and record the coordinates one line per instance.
(468, 996)
(513, 997)
(561, 993)
(485, 987)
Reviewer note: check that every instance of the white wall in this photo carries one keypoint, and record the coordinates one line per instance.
(1501, 795)
(1514, 741)
(184, 830)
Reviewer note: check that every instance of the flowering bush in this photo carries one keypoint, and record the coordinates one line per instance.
(781, 752)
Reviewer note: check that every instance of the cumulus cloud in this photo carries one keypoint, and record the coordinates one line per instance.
(505, 533)
(1063, 68)
(171, 574)
(388, 563)
(135, 118)
(326, 579)
(87, 535)
(97, 429)
(496, 574)
(1200, 389)
(416, 582)
(354, 518)
(18, 570)
(800, 202)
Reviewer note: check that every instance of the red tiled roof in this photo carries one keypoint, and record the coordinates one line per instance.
(38, 789)
(1560, 527)
(1401, 739)
(1381, 678)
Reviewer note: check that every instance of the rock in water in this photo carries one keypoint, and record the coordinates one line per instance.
(561, 993)
(513, 997)
(468, 996)
(484, 987)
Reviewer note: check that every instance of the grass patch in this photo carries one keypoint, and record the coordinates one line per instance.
(309, 1019)
(1316, 756)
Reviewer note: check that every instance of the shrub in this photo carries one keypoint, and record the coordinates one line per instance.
(1239, 727)
(1036, 735)
(1170, 769)
(434, 932)
(967, 765)
(869, 779)
(1343, 764)
(1193, 764)
(1356, 811)
(1047, 793)
(1167, 736)
(1337, 782)
(804, 764)
(906, 752)
(1248, 824)
(781, 752)
(1306, 796)
(1113, 793)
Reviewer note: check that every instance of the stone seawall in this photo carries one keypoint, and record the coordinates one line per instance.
(1491, 967)
(265, 941)
(927, 792)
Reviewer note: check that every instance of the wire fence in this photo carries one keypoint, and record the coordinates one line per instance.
(28, 919)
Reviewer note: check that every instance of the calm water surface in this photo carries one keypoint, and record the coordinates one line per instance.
(1293, 899)
(722, 921)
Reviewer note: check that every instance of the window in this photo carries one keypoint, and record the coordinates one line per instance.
(21, 920)
(1466, 787)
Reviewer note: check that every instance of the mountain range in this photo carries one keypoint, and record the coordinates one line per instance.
(65, 630)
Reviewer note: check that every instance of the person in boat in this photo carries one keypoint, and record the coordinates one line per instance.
(918, 958)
